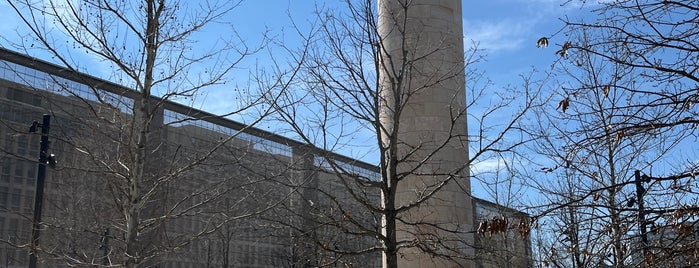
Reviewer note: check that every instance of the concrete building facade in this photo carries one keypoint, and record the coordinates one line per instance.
(253, 202)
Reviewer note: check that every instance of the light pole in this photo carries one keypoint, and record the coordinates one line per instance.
(105, 247)
(44, 158)
(640, 191)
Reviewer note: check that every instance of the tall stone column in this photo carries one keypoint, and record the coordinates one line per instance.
(422, 86)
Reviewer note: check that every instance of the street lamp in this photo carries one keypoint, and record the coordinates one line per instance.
(640, 192)
(44, 159)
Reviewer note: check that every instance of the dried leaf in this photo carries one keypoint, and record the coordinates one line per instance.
(498, 225)
(542, 42)
(619, 134)
(567, 45)
(524, 227)
(563, 105)
(564, 49)
(482, 227)
(678, 214)
(605, 90)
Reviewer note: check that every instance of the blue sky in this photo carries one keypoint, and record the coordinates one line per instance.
(506, 31)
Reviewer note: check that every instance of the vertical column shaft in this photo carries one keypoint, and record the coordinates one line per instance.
(423, 114)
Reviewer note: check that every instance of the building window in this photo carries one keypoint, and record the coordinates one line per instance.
(3, 197)
(12, 227)
(19, 173)
(22, 144)
(34, 147)
(23, 96)
(31, 174)
(28, 202)
(5, 175)
(15, 200)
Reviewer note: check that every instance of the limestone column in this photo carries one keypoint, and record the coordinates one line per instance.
(422, 85)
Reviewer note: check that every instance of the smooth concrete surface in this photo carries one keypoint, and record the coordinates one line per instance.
(423, 100)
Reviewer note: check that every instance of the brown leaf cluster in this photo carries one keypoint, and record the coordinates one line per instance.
(619, 135)
(524, 227)
(564, 104)
(563, 52)
(501, 224)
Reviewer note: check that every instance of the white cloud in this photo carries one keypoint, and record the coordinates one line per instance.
(509, 25)
(488, 166)
(493, 37)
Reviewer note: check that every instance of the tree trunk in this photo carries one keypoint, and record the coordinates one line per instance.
(390, 254)
(142, 120)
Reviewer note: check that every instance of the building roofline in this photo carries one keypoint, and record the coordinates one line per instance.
(499, 207)
(86, 79)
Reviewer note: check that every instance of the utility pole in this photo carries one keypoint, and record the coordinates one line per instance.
(105, 247)
(640, 191)
(40, 178)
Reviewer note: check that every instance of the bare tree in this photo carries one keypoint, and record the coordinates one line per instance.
(624, 98)
(342, 100)
(652, 43)
(591, 180)
(145, 168)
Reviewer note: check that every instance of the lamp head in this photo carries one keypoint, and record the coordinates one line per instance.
(35, 125)
(51, 160)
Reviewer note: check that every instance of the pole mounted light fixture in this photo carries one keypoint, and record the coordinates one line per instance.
(640, 191)
(34, 127)
(44, 159)
(639, 179)
(50, 158)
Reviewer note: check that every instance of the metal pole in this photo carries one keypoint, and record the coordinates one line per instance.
(39, 195)
(641, 213)
(106, 249)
